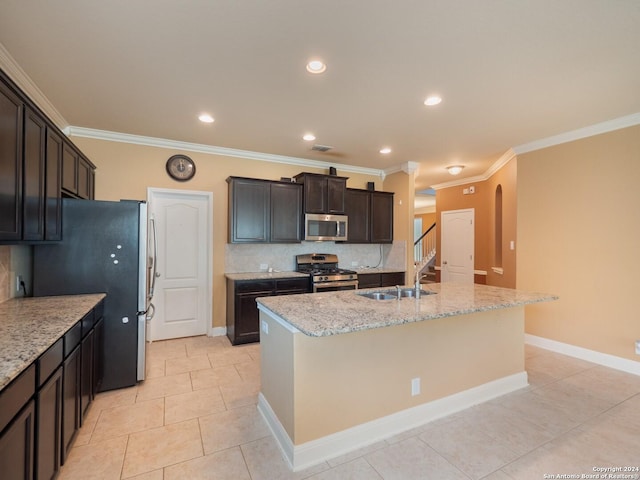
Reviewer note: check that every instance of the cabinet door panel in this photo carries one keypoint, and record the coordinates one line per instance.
(358, 209)
(315, 194)
(390, 279)
(34, 176)
(17, 446)
(381, 217)
(86, 375)
(53, 185)
(247, 324)
(70, 401)
(369, 280)
(249, 219)
(286, 213)
(49, 412)
(69, 169)
(335, 194)
(84, 179)
(11, 111)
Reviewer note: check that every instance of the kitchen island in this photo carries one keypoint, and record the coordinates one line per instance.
(341, 371)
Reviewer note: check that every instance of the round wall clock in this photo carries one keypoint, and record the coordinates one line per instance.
(181, 168)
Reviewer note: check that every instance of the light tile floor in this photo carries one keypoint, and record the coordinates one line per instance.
(195, 417)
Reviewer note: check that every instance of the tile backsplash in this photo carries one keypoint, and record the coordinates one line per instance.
(241, 258)
(5, 270)
(14, 259)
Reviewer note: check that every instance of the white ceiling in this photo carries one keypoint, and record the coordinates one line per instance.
(510, 72)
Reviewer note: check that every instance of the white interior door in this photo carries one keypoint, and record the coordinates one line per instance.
(457, 242)
(182, 294)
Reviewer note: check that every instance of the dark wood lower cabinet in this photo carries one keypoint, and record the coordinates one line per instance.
(70, 401)
(49, 415)
(243, 317)
(17, 446)
(385, 279)
(86, 375)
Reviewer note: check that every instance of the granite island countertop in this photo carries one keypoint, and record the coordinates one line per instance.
(333, 313)
(28, 326)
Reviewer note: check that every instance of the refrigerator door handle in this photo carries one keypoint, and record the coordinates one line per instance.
(154, 259)
(151, 311)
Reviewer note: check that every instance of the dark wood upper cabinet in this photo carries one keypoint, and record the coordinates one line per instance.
(11, 112)
(69, 169)
(263, 211)
(53, 185)
(358, 209)
(381, 217)
(33, 207)
(370, 216)
(286, 213)
(323, 193)
(248, 210)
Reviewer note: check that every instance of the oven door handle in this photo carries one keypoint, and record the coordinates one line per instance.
(346, 283)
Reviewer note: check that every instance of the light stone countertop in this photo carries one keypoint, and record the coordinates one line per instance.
(333, 313)
(28, 326)
(265, 275)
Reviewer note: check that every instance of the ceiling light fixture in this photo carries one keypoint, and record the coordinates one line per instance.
(316, 66)
(432, 100)
(205, 118)
(309, 137)
(455, 169)
(385, 150)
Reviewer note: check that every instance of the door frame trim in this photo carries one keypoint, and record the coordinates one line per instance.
(151, 191)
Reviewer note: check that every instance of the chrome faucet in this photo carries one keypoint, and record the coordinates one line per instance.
(417, 285)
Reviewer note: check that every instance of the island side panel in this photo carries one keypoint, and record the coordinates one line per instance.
(276, 371)
(342, 381)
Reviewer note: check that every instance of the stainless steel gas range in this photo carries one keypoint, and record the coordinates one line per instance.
(324, 272)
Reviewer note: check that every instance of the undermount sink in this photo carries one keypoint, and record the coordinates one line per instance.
(393, 294)
(377, 295)
(408, 292)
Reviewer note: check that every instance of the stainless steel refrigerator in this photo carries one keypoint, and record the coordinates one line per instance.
(106, 247)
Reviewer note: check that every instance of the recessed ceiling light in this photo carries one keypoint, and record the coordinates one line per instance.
(432, 100)
(205, 118)
(455, 169)
(309, 137)
(385, 150)
(316, 66)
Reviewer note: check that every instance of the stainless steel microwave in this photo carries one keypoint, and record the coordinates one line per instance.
(321, 227)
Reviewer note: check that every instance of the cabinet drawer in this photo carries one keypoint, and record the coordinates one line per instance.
(369, 280)
(16, 394)
(87, 322)
(72, 338)
(49, 361)
(252, 286)
(292, 284)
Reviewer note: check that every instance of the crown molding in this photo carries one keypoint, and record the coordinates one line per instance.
(24, 82)
(212, 150)
(590, 131)
(497, 165)
(406, 167)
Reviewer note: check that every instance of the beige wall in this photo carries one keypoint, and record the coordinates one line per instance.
(578, 237)
(124, 171)
(403, 185)
(483, 203)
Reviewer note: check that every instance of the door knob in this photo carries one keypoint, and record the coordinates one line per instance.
(158, 274)
(444, 263)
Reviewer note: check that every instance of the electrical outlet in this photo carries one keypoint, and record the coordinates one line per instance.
(415, 386)
(265, 327)
(465, 191)
(264, 266)
(354, 264)
(18, 282)
(637, 347)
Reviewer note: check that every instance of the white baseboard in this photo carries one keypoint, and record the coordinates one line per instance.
(600, 358)
(217, 331)
(311, 453)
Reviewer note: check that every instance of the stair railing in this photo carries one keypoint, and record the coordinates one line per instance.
(424, 248)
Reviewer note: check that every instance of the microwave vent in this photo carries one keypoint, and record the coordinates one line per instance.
(321, 148)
